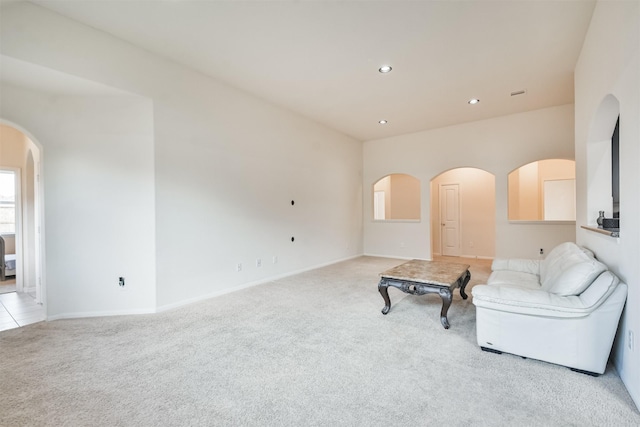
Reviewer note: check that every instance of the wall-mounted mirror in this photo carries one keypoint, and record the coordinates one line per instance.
(396, 197)
(543, 191)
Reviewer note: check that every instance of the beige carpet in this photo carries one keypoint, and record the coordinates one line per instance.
(308, 350)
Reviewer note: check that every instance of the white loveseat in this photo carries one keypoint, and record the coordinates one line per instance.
(564, 309)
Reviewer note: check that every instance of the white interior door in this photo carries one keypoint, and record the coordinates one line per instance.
(450, 219)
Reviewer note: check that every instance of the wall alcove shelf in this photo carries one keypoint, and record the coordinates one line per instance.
(605, 231)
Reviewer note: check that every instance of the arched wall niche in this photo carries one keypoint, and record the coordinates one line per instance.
(470, 194)
(543, 190)
(396, 197)
(599, 159)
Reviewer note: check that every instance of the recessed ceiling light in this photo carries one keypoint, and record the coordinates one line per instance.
(474, 101)
(382, 122)
(385, 69)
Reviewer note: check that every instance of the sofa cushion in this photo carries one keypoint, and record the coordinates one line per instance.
(515, 279)
(528, 301)
(553, 258)
(568, 270)
(531, 266)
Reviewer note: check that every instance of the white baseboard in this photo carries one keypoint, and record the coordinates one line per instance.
(221, 292)
(182, 303)
(394, 257)
(426, 259)
(106, 313)
(476, 256)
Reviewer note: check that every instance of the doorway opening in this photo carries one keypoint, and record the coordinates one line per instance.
(463, 214)
(20, 229)
(9, 209)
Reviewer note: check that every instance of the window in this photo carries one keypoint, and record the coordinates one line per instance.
(7, 201)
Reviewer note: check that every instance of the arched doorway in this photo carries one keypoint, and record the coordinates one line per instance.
(463, 213)
(20, 152)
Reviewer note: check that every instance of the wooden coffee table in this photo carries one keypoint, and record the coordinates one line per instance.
(418, 277)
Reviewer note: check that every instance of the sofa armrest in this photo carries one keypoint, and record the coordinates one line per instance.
(531, 266)
(530, 301)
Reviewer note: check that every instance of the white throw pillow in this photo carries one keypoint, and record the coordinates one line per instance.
(571, 273)
(550, 265)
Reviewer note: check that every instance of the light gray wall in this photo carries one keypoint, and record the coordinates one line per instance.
(608, 70)
(99, 198)
(498, 146)
(226, 166)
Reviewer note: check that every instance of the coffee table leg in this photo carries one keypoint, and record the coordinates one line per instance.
(464, 284)
(445, 294)
(382, 288)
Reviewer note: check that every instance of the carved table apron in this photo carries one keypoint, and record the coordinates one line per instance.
(419, 277)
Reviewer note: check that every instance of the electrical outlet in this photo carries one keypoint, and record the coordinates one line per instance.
(258, 262)
(275, 259)
(402, 244)
(121, 282)
(470, 244)
(239, 267)
(541, 251)
(630, 341)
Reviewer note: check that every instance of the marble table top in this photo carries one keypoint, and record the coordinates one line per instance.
(431, 272)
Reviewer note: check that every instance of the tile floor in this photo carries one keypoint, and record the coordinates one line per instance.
(18, 309)
(7, 286)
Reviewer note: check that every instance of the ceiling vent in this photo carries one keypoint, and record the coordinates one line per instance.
(518, 92)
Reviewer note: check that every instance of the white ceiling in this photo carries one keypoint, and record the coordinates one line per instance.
(320, 58)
